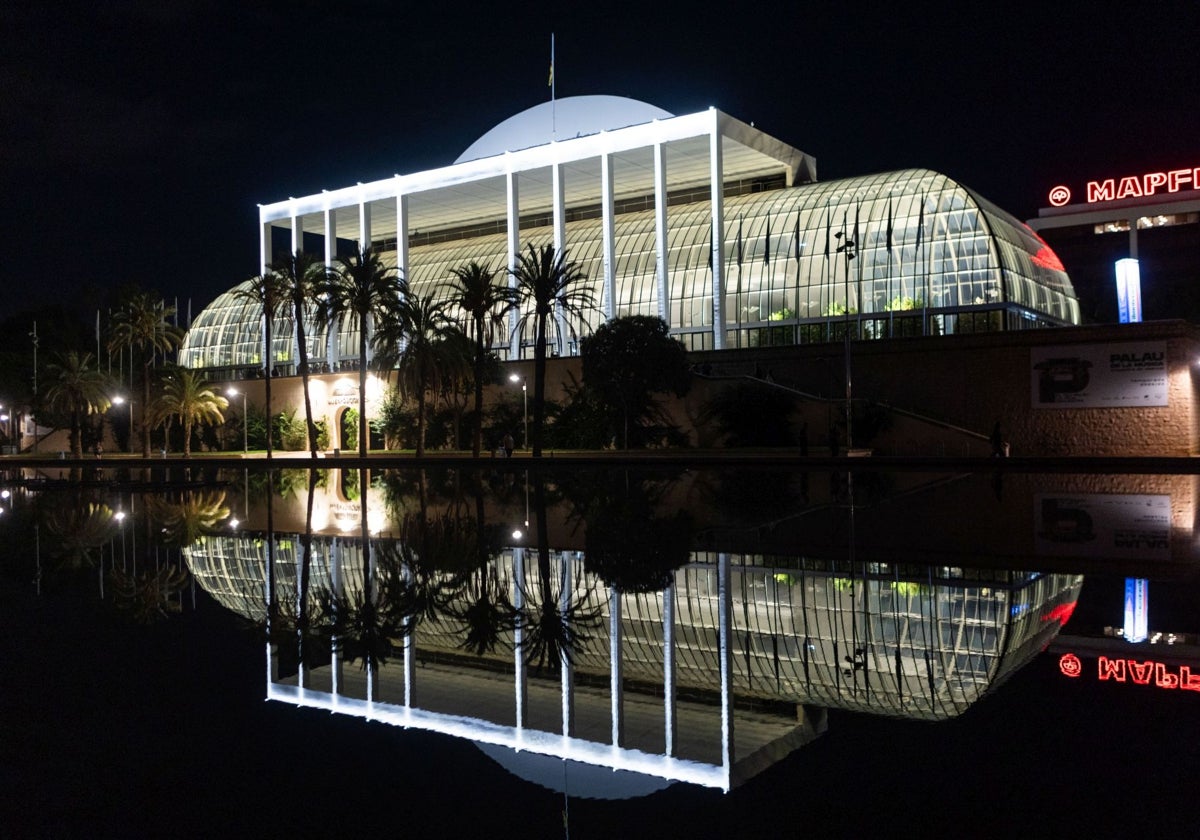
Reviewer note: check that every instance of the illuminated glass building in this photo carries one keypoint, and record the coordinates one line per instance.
(700, 219)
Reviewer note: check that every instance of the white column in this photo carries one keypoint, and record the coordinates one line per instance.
(514, 248)
(330, 236)
(264, 246)
(364, 243)
(607, 226)
(717, 185)
(560, 245)
(297, 247)
(331, 333)
(301, 667)
(402, 235)
(660, 230)
(615, 668)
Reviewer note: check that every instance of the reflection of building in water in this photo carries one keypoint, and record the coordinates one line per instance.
(707, 681)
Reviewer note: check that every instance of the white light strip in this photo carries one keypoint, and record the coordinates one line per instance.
(527, 740)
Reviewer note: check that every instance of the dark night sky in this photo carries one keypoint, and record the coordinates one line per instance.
(136, 140)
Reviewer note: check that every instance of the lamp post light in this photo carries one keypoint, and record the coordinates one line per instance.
(120, 400)
(512, 377)
(233, 392)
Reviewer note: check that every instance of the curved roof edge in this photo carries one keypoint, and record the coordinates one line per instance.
(561, 119)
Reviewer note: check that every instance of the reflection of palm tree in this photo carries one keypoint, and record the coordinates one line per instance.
(194, 515)
(553, 622)
(146, 597)
(484, 611)
(79, 529)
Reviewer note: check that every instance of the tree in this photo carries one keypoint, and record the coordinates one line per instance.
(628, 360)
(485, 303)
(546, 280)
(360, 287)
(265, 290)
(188, 397)
(412, 336)
(77, 389)
(300, 276)
(141, 324)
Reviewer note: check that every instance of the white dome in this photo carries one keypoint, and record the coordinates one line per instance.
(563, 119)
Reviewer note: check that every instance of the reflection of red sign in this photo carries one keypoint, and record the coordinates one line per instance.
(1070, 665)
(1132, 186)
(1136, 671)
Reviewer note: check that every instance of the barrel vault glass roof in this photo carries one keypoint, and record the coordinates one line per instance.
(921, 242)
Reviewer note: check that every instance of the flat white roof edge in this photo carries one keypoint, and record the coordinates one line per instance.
(520, 739)
(700, 124)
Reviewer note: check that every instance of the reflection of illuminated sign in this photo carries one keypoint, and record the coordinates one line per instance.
(1131, 186)
(1138, 672)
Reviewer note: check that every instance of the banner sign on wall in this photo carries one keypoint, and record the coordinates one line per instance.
(1099, 376)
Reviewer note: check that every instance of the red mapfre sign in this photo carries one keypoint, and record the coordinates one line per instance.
(1136, 671)
(1131, 186)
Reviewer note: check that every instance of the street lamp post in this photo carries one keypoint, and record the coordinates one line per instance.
(233, 392)
(512, 377)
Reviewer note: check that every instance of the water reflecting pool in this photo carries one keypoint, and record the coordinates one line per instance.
(599, 650)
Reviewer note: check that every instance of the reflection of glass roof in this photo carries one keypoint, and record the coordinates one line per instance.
(925, 648)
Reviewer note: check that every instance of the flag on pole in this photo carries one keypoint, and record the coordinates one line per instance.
(739, 244)
(921, 222)
(827, 233)
(796, 237)
(550, 80)
(767, 244)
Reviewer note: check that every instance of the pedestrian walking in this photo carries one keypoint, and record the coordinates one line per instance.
(508, 445)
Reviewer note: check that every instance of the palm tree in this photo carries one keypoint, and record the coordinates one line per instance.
(188, 397)
(142, 325)
(415, 335)
(265, 290)
(486, 303)
(77, 389)
(360, 287)
(300, 276)
(546, 280)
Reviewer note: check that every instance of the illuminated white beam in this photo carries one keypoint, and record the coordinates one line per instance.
(660, 229)
(716, 186)
(609, 237)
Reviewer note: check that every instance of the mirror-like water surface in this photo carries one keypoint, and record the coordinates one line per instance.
(684, 650)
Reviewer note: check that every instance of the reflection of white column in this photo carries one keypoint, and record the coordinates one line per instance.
(520, 676)
(660, 230)
(567, 669)
(301, 669)
(668, 609)
(725, 657)
(337, 581)
(410, 650)
(615, 669)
